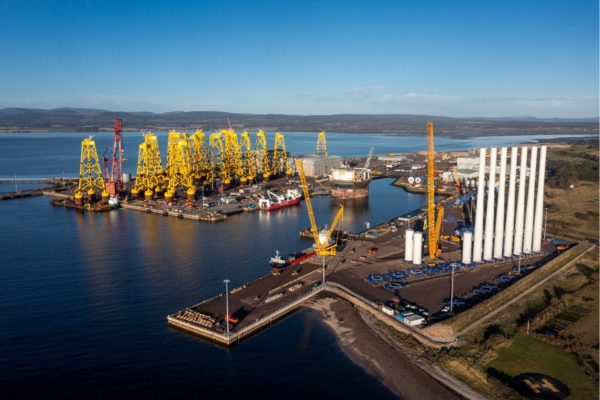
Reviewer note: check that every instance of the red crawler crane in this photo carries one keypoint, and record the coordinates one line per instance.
(114, 174)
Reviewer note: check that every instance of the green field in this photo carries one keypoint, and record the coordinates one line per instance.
(527, 354)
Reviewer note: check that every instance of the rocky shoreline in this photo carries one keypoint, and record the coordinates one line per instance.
(368, 346)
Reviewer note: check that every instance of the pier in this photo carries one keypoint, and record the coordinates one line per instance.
(21, 194)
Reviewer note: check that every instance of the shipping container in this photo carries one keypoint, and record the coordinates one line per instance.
(387, 310)
(414, 320)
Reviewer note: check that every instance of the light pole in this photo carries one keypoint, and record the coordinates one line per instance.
(227, 304)
(545, 223)
(519, 269)
(323, 270)
(452, 290)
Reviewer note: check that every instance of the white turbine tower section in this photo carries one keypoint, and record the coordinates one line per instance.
(417, 248)
(520, 219)
(489, 215)
(510, 209)
(499, 238)
(539, 205)
(478, 242)
(467, 244)
(530, 203)
(408, 245)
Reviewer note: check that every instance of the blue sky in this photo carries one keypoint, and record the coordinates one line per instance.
(453, 58)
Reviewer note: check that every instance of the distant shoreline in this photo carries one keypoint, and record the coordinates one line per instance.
(451, 135)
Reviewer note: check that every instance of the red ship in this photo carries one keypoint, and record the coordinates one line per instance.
(279, 263)
(275, 201)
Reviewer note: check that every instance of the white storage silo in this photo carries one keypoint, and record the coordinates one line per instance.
(417, 248)
(539, 205)
(499, 237)
(478, 241)
(510, 204)
(489, 215)
(408, 244)
(411, 179)
(528, 236)
(520, 218)
(467, 246)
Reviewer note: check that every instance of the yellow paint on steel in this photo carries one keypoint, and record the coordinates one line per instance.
(261, 154)
(248, 160)
(90, 172)
(321, 145)
(150, 173)
(280, 157)
(179, 166)
(434, 226)
(323, 249)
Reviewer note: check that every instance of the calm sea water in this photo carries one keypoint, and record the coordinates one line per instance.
(84, 297)
(55, 153)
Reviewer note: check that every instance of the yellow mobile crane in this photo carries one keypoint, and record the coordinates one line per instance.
(434, 225)
(322, 243)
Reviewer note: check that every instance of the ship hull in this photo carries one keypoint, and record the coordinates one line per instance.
(291, 259)
(283, 204)
(351, 190)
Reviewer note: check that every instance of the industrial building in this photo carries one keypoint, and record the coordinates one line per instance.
(315, 165)
(392, 157)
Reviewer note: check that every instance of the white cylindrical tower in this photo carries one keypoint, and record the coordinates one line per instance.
(528, 236)
(467, 246)
(478, 241)
(417, 247)
(491, 206)
(520, 218)
(499, 237)
(510, 204)
(408, 244)
(539, 204)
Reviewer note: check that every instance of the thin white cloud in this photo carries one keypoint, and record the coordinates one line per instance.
(356, 94)
(458, 106)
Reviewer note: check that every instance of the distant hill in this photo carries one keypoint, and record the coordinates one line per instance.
(93, 120)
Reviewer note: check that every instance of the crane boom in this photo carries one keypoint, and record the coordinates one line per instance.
(434, 226)
(458, 185)
(368, 162)
(331, 249)
(114, 174)
(323, 249)
(311, 215)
